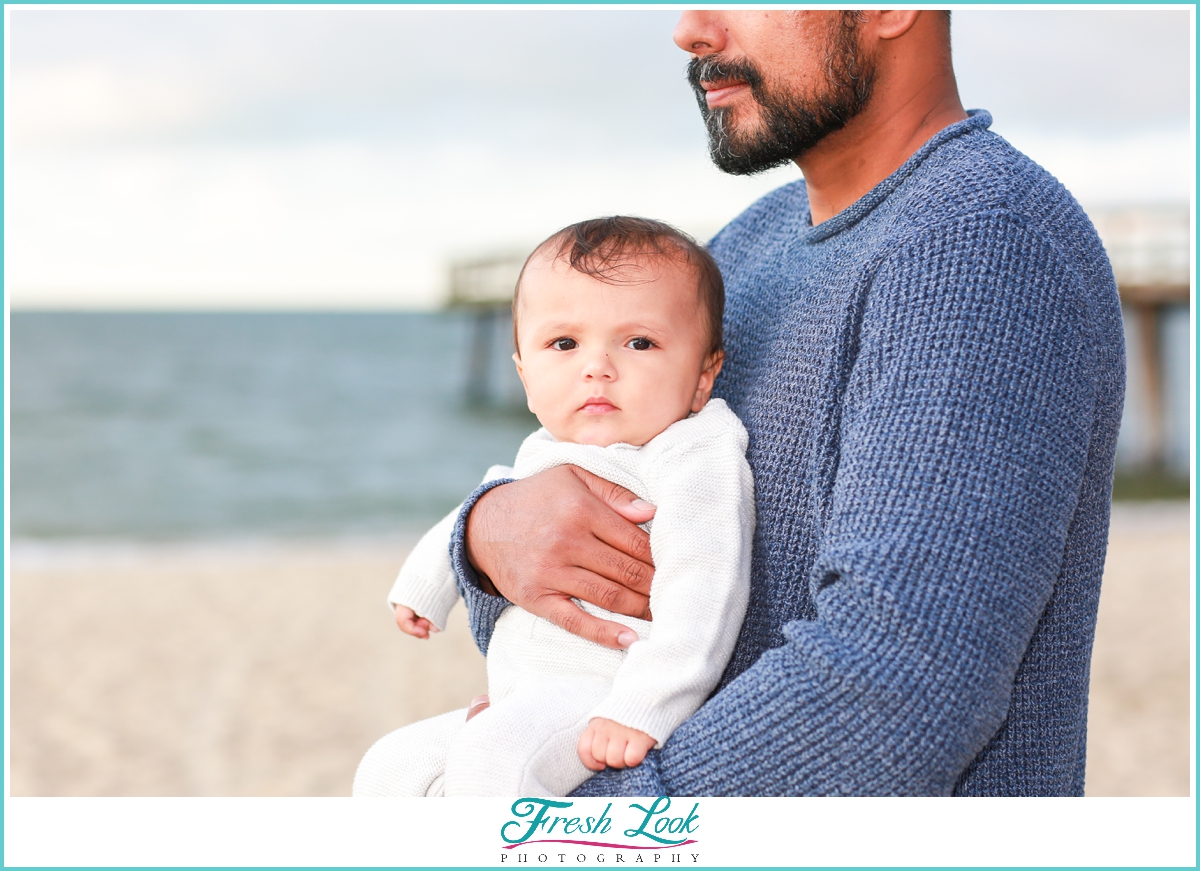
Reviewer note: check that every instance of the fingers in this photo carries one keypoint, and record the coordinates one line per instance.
(589, 760)
(608, 743)
(566, 614)
(636, 750)
(614, 756)
(620, 500)
(411, 624)
(595, 587)
(630, 561)
(626, 581)
(478, 705)
(602, 749)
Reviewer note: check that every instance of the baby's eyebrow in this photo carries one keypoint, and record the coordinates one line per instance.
(660, 329)
(559, 328)
(632, 327)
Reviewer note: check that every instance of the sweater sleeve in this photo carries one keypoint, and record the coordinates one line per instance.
(700, 539)
(483, 609)
(427, 582)
(965, 423)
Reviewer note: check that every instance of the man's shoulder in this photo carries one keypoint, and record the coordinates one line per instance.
(980, 178)
(981, 173)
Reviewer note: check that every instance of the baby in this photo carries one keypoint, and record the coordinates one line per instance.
(617, 325)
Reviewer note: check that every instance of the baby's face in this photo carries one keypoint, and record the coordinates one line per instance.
(605, 363)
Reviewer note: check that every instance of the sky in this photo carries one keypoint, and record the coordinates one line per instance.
(340, 158)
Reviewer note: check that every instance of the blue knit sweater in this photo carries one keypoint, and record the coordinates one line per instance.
(932, 382)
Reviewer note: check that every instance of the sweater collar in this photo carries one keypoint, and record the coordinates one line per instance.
(977, 119)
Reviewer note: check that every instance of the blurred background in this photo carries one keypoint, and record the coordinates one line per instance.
(255, 267)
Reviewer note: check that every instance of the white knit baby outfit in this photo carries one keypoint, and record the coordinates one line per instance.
(545, 683)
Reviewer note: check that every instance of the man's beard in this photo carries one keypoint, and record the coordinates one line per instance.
(790, 124)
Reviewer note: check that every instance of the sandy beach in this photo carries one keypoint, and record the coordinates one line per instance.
(265, 670)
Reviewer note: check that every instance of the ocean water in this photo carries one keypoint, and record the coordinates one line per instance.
(163, 427)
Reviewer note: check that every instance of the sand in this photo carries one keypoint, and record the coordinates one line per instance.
(239, 670)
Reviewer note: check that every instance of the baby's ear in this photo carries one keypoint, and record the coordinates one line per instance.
(521, 374)
(713, 363)
(712, 368)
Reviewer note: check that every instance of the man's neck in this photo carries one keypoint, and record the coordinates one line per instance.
(846, 165)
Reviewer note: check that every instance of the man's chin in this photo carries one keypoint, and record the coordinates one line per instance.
(741, 145)
(731, 159)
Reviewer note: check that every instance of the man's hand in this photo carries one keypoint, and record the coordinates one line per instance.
(411, 624)
(607, 742)
(560, 534)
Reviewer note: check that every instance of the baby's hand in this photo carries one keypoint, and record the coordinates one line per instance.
(411, 624)
(605, 742)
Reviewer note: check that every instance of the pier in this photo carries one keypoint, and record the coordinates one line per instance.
(484, 286)
(1150, 251)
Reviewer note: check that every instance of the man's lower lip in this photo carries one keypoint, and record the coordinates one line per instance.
(717, 96)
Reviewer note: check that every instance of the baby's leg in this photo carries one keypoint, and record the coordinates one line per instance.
(410, 761)
(525, 744)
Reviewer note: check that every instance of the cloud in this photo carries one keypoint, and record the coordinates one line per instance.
(299, 157)
(304, 73)
(1093, 70)
(318, 225)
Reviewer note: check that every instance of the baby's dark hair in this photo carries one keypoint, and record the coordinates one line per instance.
(606, 248)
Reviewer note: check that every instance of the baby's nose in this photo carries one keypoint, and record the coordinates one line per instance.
(598, 366)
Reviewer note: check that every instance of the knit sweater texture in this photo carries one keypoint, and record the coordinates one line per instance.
(932, 383)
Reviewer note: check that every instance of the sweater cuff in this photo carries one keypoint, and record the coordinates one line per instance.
(432, 603)
(629, 709)
(483, 609)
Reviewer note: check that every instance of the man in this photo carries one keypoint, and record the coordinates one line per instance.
(925, 346)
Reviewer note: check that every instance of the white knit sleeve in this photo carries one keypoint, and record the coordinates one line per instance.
(426, 580)
(700, 539)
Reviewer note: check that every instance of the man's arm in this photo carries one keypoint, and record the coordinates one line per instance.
(964, 436)
(542, 540)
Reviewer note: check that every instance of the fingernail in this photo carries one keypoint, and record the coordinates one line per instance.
(478, 700)
(642, 505)
(627, 638)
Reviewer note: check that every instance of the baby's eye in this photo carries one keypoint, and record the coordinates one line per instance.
(564, 344)
(641, 343)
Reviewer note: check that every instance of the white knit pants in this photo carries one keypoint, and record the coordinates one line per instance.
(543, 684)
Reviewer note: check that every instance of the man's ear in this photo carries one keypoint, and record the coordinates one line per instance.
(521, 374)
(891, 23)
(712, 368)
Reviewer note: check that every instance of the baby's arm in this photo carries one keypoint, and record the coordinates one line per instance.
(701, 540)
(425, 589)
(607, 742)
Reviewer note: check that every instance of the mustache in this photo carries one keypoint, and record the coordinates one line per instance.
(715, 68)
